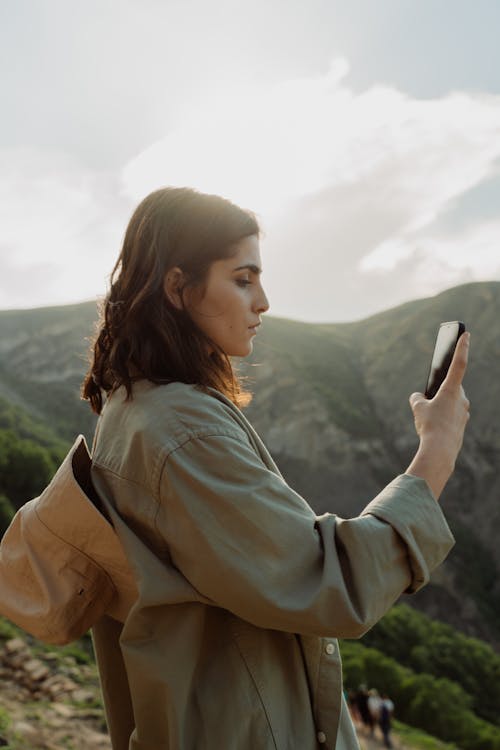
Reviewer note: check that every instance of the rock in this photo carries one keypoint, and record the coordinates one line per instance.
(83, 696)
(95, 714)
(14, 645)
(53, 683)
(16, 661)
(96, 739)
(27, 731)
(51, 656)
(58, 722)
(63, 709)
(58, 686)
(36, 669)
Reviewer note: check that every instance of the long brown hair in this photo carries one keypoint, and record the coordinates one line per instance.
(141, 334)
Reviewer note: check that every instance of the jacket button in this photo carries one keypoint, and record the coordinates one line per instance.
(330, 648)
(321, 738)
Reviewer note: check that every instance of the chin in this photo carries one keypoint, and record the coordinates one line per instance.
(241, 351)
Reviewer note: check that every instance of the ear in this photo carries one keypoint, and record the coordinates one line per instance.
(172, 286)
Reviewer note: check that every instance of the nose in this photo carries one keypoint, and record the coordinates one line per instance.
(261, 301)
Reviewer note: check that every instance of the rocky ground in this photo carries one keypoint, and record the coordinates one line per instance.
(48, 702)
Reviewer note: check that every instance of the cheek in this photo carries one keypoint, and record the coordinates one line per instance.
(232, 307)
(224, 311)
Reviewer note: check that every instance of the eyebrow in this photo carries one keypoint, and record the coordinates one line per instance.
(250, 266)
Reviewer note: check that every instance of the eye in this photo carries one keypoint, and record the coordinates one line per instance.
(243, 282)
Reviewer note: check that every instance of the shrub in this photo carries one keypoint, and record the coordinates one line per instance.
(6, 513)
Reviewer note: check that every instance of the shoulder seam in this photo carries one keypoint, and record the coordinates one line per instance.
(202, 435)
(232, 434)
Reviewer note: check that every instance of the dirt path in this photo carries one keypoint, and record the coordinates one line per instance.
(367, 742)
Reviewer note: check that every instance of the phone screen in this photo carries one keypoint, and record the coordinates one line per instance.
(446, 341)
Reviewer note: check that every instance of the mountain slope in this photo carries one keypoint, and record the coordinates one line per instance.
(43, 355)
(331, 402)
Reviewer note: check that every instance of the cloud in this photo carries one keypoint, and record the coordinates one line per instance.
(61, 227)
(350, 187)
(261, 146)
(302, 136)
(20, 286)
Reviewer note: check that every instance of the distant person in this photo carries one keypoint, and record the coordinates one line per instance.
(353, 706)
(385, 715)
(362, 696)
(374, 705)
(243, 589)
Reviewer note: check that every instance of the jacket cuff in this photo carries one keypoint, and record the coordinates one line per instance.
(408, 505)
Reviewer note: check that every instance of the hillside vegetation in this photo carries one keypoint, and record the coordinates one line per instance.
(29, 456)
(440, 680)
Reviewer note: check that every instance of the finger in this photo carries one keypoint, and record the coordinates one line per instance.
(455, 375)
(465, 400)
(416, 398)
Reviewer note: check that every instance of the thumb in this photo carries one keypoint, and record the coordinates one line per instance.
(416, 398)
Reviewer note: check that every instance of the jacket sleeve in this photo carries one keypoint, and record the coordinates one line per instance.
(250, 544)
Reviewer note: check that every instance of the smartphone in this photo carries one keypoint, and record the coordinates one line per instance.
(446, 341)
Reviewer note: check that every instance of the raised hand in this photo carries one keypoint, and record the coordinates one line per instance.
(440, 423)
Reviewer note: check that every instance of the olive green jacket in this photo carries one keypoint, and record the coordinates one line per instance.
(243, 589)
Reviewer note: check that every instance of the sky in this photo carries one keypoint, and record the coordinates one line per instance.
(365, 135)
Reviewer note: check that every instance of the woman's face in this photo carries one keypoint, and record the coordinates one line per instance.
(228, 306)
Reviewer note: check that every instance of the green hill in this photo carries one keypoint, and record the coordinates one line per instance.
(331, 402)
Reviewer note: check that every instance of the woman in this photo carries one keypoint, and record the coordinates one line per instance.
(242, 589)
